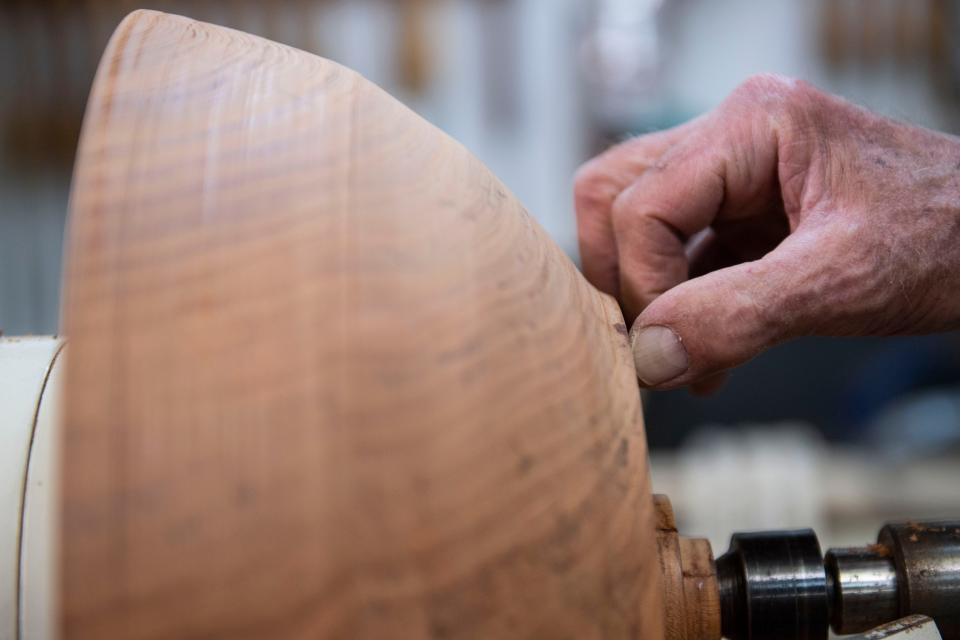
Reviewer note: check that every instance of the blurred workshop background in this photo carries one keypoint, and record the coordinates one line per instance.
(837, 434)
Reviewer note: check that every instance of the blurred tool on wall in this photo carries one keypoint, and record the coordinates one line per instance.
(640, 60)
(622, 66)
(891, 37)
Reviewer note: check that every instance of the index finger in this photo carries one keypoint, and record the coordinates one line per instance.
(596, 187)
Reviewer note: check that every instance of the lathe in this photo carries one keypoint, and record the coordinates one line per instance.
(324, 377)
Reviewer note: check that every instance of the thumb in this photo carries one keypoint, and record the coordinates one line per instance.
(719, 320)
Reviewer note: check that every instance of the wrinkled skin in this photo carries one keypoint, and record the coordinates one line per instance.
(784, 212)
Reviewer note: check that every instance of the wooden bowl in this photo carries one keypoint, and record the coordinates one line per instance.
(326, 377)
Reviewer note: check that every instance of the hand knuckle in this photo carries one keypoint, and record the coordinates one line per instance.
(774, 93)
(590, 187)
(624, 207)
(766, 85)
(795, 109)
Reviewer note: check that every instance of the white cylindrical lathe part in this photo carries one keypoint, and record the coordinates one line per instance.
(29, 402)
(40, 537)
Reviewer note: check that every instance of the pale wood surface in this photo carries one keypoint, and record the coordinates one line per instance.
(327, 378)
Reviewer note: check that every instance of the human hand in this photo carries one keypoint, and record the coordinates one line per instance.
(784, 212)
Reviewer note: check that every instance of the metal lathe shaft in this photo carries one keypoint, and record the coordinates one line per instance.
(776, 585)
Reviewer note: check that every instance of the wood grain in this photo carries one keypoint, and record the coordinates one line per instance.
(691, 592)
(327, 378)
